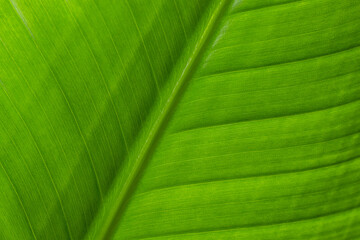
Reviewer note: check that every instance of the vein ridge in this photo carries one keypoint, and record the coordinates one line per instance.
(160, 124)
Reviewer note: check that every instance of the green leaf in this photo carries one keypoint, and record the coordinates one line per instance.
(174, 119)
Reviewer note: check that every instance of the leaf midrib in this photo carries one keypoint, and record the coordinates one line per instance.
(160, 124)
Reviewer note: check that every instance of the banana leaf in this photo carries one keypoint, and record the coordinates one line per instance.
(180, 119)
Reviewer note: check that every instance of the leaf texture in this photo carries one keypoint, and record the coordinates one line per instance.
(224, 119)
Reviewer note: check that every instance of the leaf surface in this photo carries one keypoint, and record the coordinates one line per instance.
(221, 119)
